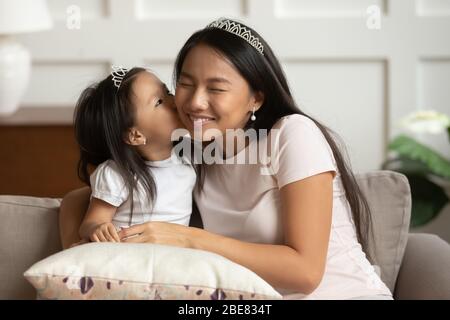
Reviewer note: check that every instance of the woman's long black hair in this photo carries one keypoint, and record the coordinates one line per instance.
(265, 74)
(103, 116)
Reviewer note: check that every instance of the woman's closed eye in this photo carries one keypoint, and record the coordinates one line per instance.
(185, 84)
(216, 90)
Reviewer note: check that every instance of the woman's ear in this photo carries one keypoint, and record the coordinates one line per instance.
(257, 100)
(135, 138)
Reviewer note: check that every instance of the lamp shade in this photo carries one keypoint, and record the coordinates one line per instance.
(17, 16)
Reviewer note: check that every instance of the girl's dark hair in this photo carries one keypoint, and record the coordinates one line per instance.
(265, 74)
(103, 116)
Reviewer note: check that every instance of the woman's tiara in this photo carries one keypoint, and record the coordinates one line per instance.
(239, 30)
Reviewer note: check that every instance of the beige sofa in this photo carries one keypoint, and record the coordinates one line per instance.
(414, 266)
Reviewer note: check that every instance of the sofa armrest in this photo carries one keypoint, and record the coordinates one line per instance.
(28, 233)
(425, 269)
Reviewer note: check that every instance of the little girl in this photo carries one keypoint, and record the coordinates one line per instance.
(123, 125)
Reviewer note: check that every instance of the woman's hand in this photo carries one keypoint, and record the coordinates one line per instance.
(105, 232)
(82, 241)
(71, 214)
(160, 233)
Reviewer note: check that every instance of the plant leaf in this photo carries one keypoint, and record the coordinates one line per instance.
(407, 166)
(448, 131)
(407, 147)
(428, 199)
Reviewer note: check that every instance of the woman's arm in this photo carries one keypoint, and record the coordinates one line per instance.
(96, 225)
(299, 264)
(71, 212)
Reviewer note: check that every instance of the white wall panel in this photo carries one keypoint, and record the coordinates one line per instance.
(175, 9)
(162, 69)
(434, 84)
(349, 97)
(434, 93)
(324, 8)
(433, 7)
(57, 84)
(90, 9)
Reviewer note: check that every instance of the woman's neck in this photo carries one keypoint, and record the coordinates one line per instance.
(232, 145)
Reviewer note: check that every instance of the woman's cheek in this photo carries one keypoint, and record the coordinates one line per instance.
(179, 97)
(183, 116)
(179, 107)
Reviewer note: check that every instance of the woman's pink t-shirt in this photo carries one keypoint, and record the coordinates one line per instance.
(242, 201)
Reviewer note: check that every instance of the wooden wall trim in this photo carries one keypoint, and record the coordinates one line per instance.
(39, 116)
(38, 160)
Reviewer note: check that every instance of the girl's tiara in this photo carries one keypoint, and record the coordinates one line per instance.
(117, 73)
(239, 30)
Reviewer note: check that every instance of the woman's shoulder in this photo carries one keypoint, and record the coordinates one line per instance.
(295, 120)
(301, 135)
(300, 149)
(292, 125)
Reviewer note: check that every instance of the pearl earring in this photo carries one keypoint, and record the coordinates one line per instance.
(253, 117)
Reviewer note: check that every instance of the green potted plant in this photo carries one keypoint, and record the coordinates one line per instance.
(427, 170)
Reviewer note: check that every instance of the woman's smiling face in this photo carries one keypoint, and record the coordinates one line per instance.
(212, 94)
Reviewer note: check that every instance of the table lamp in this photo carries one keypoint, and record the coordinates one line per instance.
(17, 16)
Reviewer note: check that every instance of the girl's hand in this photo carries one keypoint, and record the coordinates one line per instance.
(105, 232)
(160, 233)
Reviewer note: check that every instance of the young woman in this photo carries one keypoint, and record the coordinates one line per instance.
(301, 227)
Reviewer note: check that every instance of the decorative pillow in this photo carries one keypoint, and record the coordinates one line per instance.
(144, 271)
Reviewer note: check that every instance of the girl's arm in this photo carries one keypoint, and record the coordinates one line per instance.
(71, 212)
(97, 225)
(298, 264)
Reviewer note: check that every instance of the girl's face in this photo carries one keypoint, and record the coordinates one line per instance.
(156, 116)
(212, 94)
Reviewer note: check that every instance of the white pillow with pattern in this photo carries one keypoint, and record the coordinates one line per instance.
(144, 271)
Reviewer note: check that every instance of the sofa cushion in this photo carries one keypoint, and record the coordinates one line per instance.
(28, 233)
(143, 271)
(389, 199)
